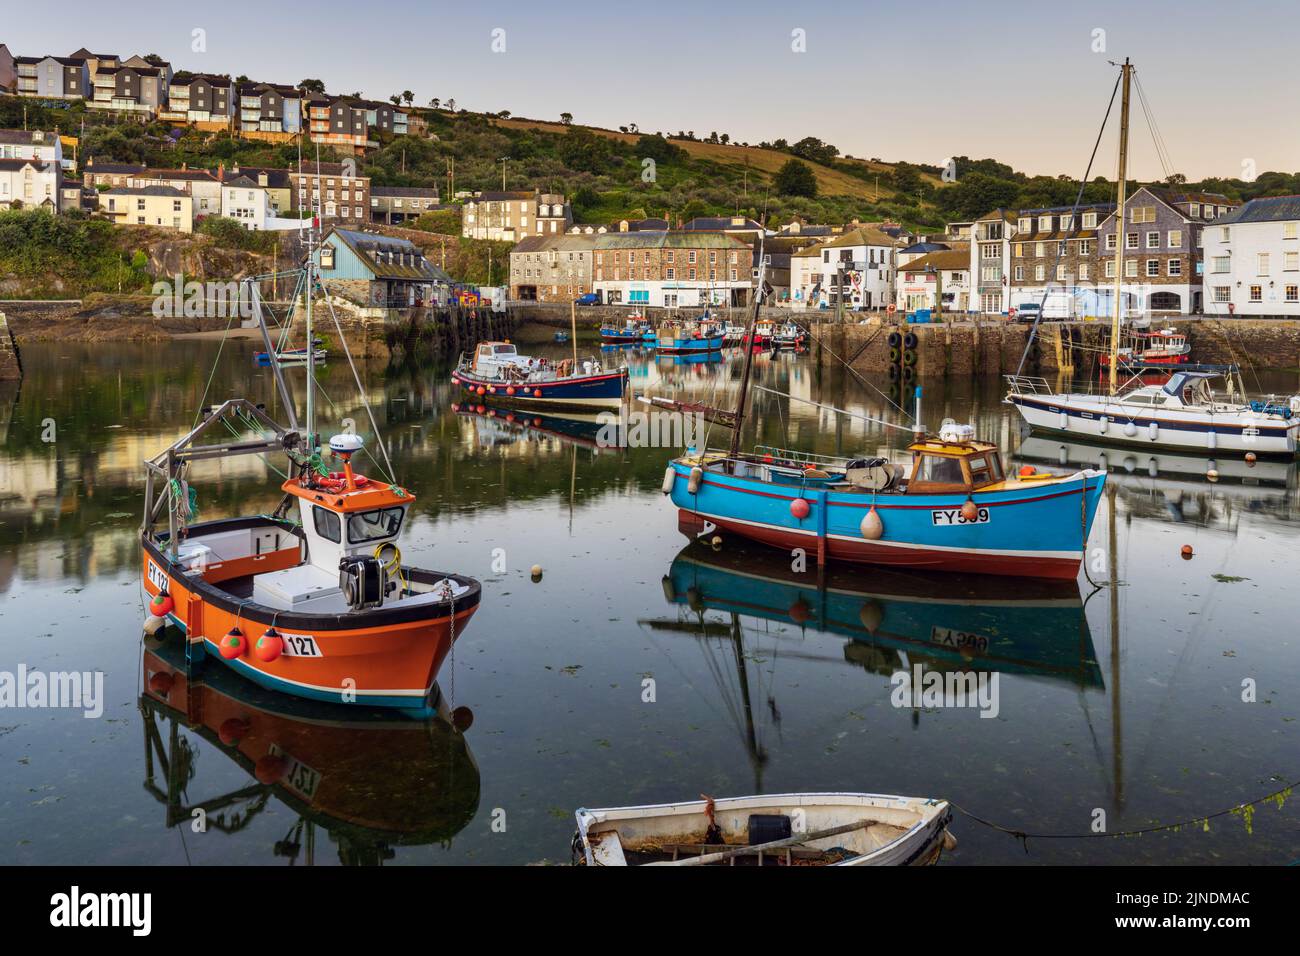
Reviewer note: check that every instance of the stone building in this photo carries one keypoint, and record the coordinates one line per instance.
(552, 268)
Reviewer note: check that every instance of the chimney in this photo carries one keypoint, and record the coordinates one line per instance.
(221, 172)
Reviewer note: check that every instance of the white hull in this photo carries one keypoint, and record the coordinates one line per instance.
(1097, 418)
(903, 831)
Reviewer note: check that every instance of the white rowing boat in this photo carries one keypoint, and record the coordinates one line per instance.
(789, 829)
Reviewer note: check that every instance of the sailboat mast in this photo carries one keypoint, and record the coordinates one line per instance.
(749, 355)
(1119, 227)
(311, 354)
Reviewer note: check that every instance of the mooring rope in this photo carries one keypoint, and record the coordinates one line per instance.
(1246, 810)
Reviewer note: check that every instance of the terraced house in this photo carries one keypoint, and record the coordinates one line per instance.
(1163, 265)
(1054, 261)
(1252, 259)
(269, 110)
(331, 190)
(514, 215)
(201, 98)
(136, 85)
(52, 77)
(552, 268)
(672, 269)
(347, 122)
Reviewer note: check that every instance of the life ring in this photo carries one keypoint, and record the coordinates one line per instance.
(359, 480)
(331, 484)
(891, 308)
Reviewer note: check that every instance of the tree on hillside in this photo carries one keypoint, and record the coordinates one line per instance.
(813, 149)
(435, 102)
(310, 85)
(396, 99)
(659, 149)
(796, 179)
(451, 106)
(408, 96)
(566, 118)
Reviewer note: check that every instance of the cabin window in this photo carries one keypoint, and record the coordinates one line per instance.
(504, 350)
(372, 525)
(985, 469)
(946, 471)
(328, 525)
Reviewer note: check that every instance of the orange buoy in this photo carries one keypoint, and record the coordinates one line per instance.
(871, 526)
(162, 604)
(1187, 552)
(510, 390)
(269, 646)
(233, 644)
(800, 508)
(270, 768)
(537, 393)
(969, 510)
(161, 683)
(232, 731)
(1250, 458)
(1027, 470)
(481, 390)
(800, 612)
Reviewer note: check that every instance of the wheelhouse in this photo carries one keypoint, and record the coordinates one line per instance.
(941, 467)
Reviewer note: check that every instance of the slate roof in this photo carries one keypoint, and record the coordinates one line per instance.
(169, 191)
(27, 137)
(36, 164)
(668, 240)
(373, 249)
(1264, 209)
(949, 260)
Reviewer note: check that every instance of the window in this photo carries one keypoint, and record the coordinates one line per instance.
(328, 525)
(1089, 220)
(1289, 230)
(1153, 268)
(1221, 293)
(1040, 273)
(1045, 223)
(1110, 242)
(1061, 274)
(1175, 267)
(1085, 247)
(1142, 214)
(1067, 222)
(1195, 210)
(1222, 264)
(1256, 293)
(1293, 293)
(1130, 268)
(1290, 261)
(1110, 268)
(1130, 240)
(942, 470)
(1153, 240)
(1224, 234)
(1025, 224)
(1040, 249)
(1263, 264)
(1020, 273)
(371, 525)
(1085, 272)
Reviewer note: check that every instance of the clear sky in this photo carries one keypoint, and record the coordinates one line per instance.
(1015, 80)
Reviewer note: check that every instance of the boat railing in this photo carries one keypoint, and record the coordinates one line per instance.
(1028, 385)
(798, 457)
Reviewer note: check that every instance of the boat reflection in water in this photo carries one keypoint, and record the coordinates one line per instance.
(373, 779)
(600, 431)
(898, 619)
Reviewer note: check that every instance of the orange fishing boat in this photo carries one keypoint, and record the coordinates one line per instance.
(311, 599)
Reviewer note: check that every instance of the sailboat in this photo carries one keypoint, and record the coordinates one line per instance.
(1185, 413)
(312, 599)
(954, 510)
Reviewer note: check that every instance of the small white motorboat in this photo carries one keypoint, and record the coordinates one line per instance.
(788, 829)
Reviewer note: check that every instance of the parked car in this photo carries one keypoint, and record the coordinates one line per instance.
(591, 298)
(1025, 312)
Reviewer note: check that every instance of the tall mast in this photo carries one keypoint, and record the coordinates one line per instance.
(749, 353)
(1120, 227)
(311, 351)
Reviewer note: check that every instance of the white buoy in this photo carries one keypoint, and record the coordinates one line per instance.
(872, 527)
(536, 572)
(1104, 421)
(1212, 441)
(153, 624)
(1153, 431)
(1065, 422)
(693, 483)
(1130, 429)
(670, 479)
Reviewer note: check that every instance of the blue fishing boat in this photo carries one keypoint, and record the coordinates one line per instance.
(951, 508)
(496, 372)
(689, 338)
(633, 331)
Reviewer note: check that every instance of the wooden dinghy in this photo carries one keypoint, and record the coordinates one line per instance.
(789, 829)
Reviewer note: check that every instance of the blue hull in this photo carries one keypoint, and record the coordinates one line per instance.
(691, 346)
(604, 390)
(1031, 529)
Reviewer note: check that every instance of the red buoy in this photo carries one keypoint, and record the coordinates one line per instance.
(510, 390)
(233, 644)
(800, 508)
(269, 646)
(1187, 552)
(969, 510)
(537, 393)
(1027, 470)
(481, 390)
(270, 768)
(232, 731)
(162, 604)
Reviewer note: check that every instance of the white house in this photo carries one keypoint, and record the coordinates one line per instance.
(864, 258)
(947, 271)
(1252, 259)
(33, 144)
(249, 204)
(29, 184)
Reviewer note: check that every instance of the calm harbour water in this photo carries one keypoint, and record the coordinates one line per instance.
(762, 681)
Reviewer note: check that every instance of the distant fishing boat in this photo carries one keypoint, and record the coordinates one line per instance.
(686, 338)
(787, 829)
(561, 337)
(287, 356)
(496, 372)
(1143, 348)
(632, 332)
(761, 334)
(312, 599)
(788, 336)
